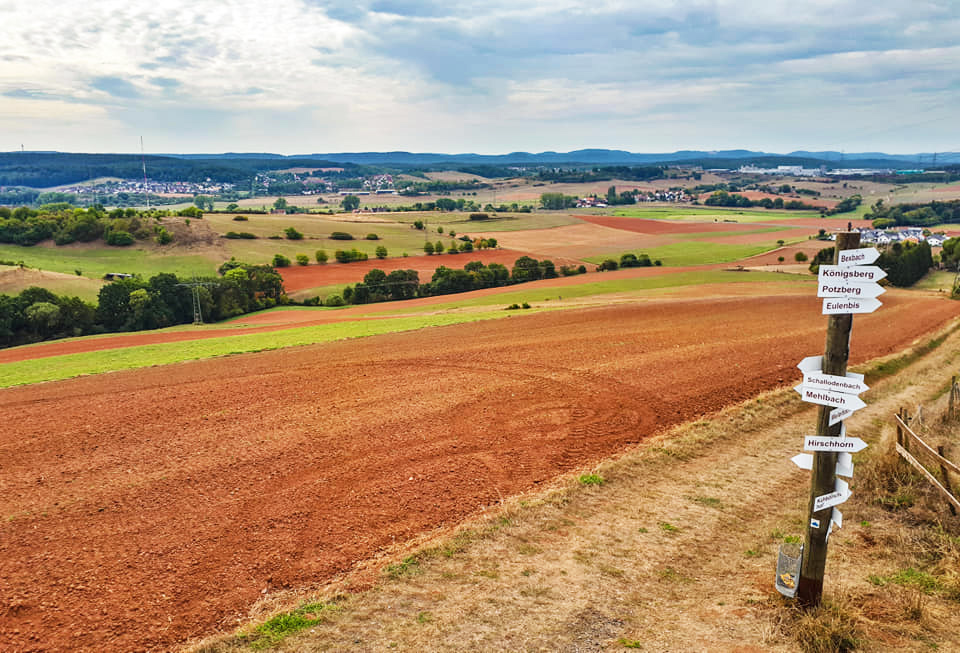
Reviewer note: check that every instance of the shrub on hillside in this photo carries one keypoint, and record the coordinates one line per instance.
(120, 238)
(341, 235)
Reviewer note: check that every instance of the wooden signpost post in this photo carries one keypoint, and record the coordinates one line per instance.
(848, 287)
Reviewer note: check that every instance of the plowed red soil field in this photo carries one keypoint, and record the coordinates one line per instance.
(302, 277)
(147, 507)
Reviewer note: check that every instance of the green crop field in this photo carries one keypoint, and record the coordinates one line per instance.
(711, 214)
(937, 280)
(696, 253)
(462, 224)
(95, 262)
(98, 362)
(535, 294)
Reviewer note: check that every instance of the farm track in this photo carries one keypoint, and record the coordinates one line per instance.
(148, 507)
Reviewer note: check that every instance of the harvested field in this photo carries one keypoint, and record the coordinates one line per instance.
(142, 509)
(303, 277)
(577, 242)
(661, 227)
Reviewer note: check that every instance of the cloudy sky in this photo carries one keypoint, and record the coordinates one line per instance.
(490, 76)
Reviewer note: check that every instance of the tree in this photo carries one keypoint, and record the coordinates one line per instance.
(350, 203)
(280, 261)
(303, 259)
(293, 234)
(428, 248)
(381, 252)
(799, 257)
(43, 317)
(321, 256)
(526, 269)
(438, 247)
(280, 204)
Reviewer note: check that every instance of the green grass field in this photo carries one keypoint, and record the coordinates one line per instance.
(94, 263)
(711, 214)
(696, 253)
(64, 367)
(937, 280)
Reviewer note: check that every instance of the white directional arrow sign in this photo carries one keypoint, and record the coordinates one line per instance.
(811, 364)
(844, 463)
(849, 445)
(839, 414)
(849, 305)
(848, 385)
(843, 289)
(837, 517)
(864, 256)
(841, 492)
(829, 398)
(850, 274)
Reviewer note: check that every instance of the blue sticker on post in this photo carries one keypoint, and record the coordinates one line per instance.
(814, 523)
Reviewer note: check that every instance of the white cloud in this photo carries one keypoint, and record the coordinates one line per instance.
(458, 75)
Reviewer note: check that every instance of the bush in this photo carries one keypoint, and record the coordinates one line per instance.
(609, 264)
(341, 235)
(512, 307)
(120, 238)
(238, 218)
(293, 234)
(373, 237)
(233, 235)
(164, 237)
(479, 216)
(334, 300)
(799, 257)
(321, 256)
(524, 305)
(345, 256)
(381, 252)
(303, 259)
(280, 261)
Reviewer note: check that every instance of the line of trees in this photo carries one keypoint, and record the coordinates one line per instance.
(36, 314)
(65, 224)
(723, 198)
(913, 215)
(378, 286)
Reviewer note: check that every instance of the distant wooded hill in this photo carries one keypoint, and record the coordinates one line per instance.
(46, 169)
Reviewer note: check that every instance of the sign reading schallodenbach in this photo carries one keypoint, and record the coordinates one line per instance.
(848, 385)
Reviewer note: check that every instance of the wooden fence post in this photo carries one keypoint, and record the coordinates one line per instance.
(946, 480)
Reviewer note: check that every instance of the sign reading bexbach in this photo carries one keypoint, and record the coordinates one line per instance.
(864, 256)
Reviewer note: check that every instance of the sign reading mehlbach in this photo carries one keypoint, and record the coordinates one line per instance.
(829, 398)
(864, 256)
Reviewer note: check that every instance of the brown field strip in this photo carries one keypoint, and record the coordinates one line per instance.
(148, 507)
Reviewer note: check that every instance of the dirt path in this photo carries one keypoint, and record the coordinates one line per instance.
(145, 508)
